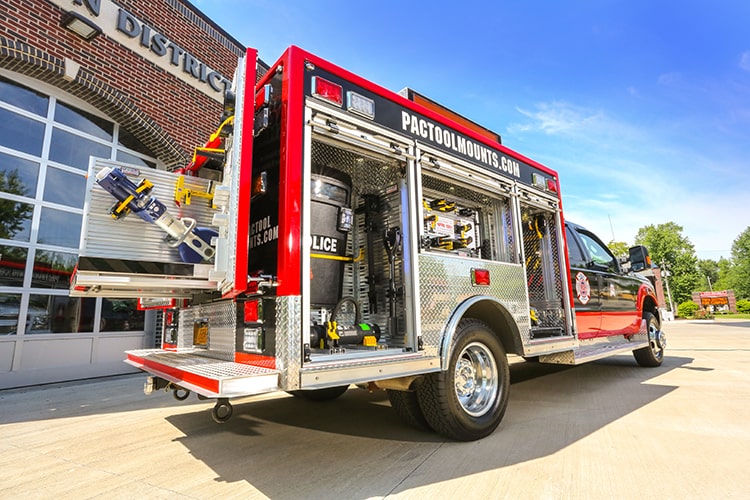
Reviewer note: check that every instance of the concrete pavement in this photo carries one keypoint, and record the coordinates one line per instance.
(609, 429)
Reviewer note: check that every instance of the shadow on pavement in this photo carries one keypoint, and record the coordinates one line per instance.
(79, 398)
(349, 444)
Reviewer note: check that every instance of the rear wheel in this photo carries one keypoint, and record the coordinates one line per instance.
(327, 394)
(468, 400)
(406, 406)
(653, 354)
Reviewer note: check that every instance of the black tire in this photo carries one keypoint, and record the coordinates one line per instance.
(327, 394)
(406, 406)
(180, 394)
(653, 354)
(468, 400)
(222, 411)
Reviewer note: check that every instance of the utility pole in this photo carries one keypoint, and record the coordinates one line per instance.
(710, 286)
(666, 282)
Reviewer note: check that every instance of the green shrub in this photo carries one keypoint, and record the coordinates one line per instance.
(743, 306)
(687, 309)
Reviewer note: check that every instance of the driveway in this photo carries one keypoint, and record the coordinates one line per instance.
(609, 429)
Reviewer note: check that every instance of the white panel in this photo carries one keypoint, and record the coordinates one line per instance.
(6, 355)
(113, 348)
(51, 353)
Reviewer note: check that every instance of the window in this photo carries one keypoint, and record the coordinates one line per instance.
(10, 307)
(42, 193)
(53, 269)
(70, 149)
(15, 220)
(121, 315)
(85, 122)
(12, 265)
(575, 254)
(23, 97)
(65, 188)
(600, 255)
(18, 176)
(59, 228)
(21, 133)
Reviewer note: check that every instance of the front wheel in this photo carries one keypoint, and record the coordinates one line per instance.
(468, 400)
(653, 354)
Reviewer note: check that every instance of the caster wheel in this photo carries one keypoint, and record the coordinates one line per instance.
(222, 411)
(180, 394)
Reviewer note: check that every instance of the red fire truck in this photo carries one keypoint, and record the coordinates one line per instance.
(333, 233)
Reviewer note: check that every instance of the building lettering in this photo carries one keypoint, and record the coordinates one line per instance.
(162, 46)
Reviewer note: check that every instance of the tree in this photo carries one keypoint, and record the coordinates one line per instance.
(669, 248)
(725, 274)
(619, 248)
(14, 216)
(739, 278)
(708, 270)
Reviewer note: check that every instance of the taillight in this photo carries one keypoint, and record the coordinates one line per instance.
(253, 311)
(329, 91)
(542, 182)
(480, 277)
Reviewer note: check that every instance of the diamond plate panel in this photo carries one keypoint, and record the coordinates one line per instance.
(445, 282)
(543, 271)
(288, 335)
(222, 326)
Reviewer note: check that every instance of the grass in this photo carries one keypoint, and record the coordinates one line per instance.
(720, 317)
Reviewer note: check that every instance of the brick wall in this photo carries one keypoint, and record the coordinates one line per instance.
(167, 115)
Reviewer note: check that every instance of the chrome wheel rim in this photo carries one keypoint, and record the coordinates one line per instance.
(657, 340)
(476, 379)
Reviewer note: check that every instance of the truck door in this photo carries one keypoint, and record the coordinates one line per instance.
(585, 283)
(617, 295)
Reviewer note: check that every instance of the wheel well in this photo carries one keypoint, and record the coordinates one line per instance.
(649, 305)
(499, 320)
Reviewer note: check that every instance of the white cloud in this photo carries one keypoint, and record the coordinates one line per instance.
(634, 175)
(669, 78)
(745, 60)
(557, 117)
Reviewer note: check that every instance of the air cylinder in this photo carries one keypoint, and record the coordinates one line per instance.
(330, 193)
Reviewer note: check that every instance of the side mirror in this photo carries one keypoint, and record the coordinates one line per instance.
(639, 258)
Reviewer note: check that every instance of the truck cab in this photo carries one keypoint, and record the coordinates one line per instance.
(610, 299)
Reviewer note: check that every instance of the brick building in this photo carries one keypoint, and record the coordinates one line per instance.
(131, 80)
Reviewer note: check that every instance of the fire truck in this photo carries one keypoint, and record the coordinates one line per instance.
(332, 233)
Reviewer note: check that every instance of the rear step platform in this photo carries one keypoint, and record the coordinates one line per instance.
(210, 377)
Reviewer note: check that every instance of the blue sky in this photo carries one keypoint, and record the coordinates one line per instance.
(643, 107)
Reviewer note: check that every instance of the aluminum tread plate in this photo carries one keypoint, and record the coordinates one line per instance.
(592, 352)
(208, 376)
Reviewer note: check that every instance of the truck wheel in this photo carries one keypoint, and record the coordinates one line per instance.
(653, 354)
(468, 400)
(327, 394)
(406, 406)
